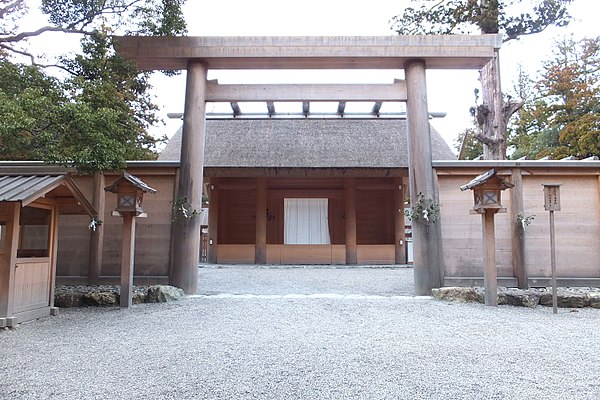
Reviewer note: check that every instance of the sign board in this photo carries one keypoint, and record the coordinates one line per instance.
(552, 197)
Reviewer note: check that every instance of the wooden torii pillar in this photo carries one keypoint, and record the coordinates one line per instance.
(186, 232)
(426, 246)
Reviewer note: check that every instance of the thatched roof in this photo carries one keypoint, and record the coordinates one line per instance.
(307, 143)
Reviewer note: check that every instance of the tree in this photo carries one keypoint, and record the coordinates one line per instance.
(467, 146)
(563, 117)
(94, 120)
(95, 115)
(140, 17)
(489, 17)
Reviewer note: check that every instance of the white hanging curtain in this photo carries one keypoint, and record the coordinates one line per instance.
(306, 221)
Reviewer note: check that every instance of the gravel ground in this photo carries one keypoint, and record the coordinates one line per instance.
(331, 342)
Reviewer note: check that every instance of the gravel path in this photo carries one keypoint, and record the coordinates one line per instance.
(262, 344)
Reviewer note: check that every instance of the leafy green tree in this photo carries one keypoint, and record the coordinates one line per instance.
(96, 113)
(94, 120)
(467, 146)
(562, 118)
(489, 17)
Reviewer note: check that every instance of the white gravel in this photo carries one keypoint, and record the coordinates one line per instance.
(261, 344)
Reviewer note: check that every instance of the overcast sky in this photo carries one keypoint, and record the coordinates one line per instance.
(448, 91)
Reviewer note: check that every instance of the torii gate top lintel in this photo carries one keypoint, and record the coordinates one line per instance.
(310, 52)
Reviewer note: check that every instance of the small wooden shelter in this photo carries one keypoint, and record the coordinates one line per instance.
(29, 208)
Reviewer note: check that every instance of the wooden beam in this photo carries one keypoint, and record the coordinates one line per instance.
(490, 274)
(261, 221)
(400, 234)
(305, 92)
(186, 249)
(517, 230)
(271, 107)
(341, 107)
(310, 52)
(235, 107)
(97, 235)
(350, 197)
(127, 257)
(305, 107)
(213, 220)
(426, 245)
(376, 107)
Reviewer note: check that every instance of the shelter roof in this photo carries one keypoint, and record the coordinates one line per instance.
(485, 178)
(307, 143)
(310, 52)
(133, 180)
(28, 188)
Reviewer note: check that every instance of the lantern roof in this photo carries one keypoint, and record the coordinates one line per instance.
(488, 177)
(131, 179)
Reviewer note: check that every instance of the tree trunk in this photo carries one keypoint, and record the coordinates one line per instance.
(491, 118)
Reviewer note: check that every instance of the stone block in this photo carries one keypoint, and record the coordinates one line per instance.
(163, 293)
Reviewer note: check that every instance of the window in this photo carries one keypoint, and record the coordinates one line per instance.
(34, 232)
(306, 221)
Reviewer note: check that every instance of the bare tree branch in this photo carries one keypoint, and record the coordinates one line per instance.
(10, 8)
(24, 35)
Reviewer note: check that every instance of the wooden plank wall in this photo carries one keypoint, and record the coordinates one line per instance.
(152, 233)
(577, 226)
(462, 238)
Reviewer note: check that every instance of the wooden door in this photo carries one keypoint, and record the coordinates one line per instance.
(33, 267)
(32, 284)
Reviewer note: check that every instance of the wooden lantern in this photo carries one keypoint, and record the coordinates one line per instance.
(130, 194)
(487, 191)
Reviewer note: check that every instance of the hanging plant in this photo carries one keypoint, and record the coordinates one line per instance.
(183, 211)
(94, 223)
(424, 210)
(524, 220)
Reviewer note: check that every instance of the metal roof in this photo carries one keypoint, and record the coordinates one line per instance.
(134, 180)
(27, 188)
(24, 187)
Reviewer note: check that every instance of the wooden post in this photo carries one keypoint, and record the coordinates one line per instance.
(490, 275)
(351, 253)
(400, 235)
(517, 230)
(425, 239)
(261, 221)
(7, 263)
(213, 220)
(53, 259)
(127, 253)
(553, 264)
(186, 252)
(97, 237)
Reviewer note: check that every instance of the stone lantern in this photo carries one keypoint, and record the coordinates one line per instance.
(487, 189)
(130, 195)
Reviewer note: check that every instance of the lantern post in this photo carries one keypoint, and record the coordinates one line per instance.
(487, 189)
(130, 195)
(551, 204)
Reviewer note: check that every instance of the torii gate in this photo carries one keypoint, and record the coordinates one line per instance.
(412, 53)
